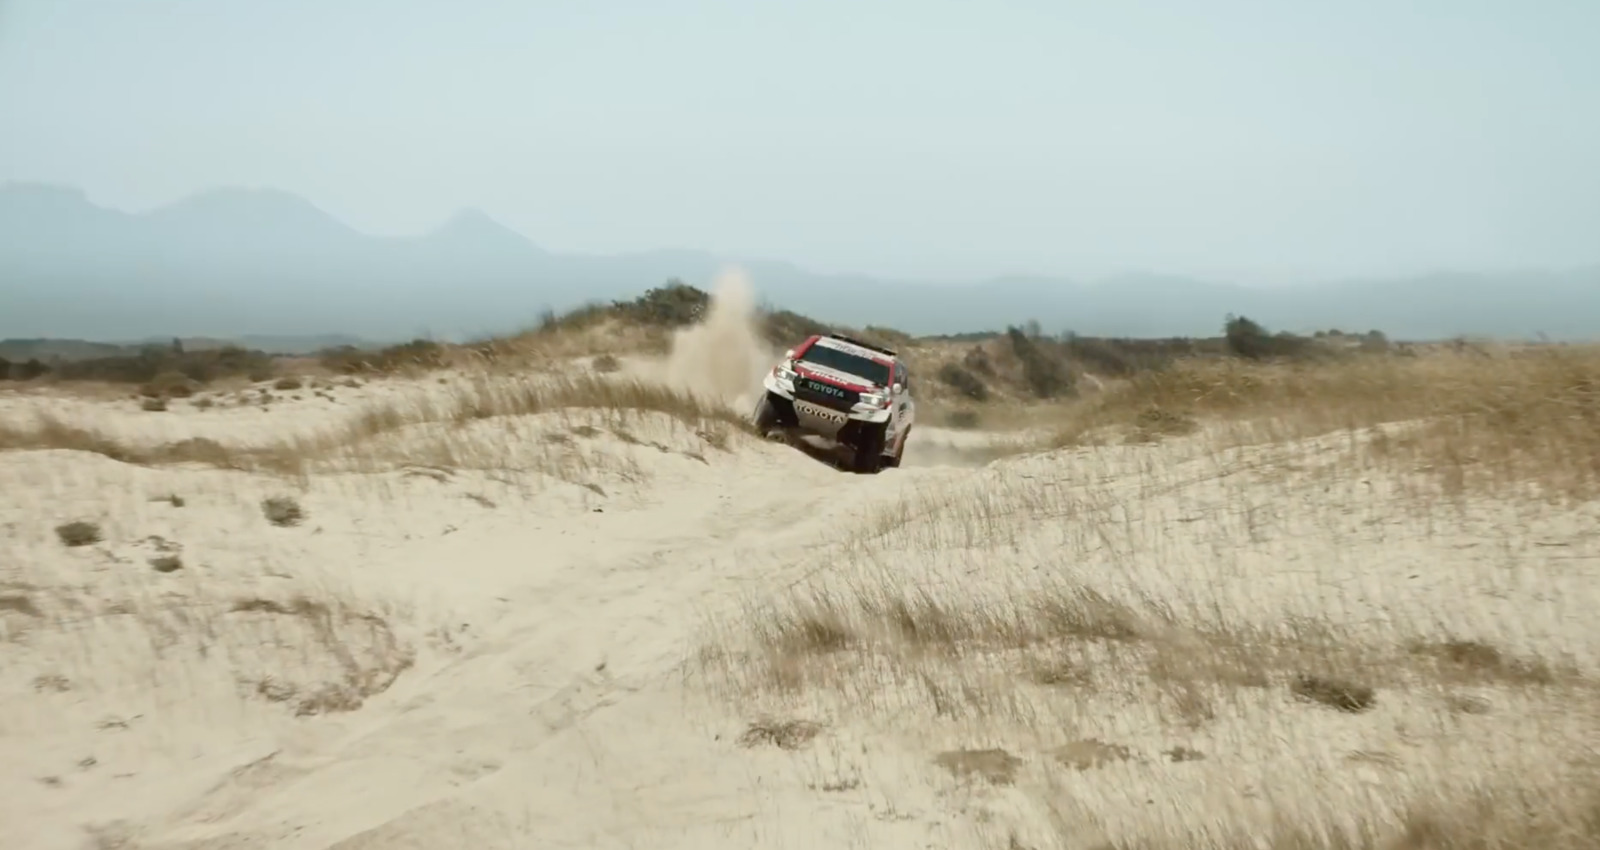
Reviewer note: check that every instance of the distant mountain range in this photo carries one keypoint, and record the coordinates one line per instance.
(235, 263)
(71, 348)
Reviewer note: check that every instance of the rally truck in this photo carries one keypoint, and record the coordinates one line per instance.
(850, 392)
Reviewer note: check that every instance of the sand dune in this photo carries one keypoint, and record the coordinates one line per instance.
(481, 619)
(610, 628)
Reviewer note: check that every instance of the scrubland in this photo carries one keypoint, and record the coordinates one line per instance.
(551, 591)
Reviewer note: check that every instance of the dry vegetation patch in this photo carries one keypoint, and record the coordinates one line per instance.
(282, 511)
(783, 734)
(1281, 589)
(379, 433)
(79, 533)
(1469, 418)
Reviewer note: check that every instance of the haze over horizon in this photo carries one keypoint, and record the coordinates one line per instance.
(1232, 140)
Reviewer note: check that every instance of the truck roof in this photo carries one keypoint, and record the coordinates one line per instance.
(850, 341)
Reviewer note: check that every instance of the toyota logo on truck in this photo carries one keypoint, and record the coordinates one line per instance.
(827, 388)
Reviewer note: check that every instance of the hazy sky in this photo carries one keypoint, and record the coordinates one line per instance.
(906, 137)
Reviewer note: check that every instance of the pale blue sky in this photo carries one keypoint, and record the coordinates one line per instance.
(902, 137)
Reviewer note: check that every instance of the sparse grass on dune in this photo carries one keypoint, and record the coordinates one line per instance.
(1473, 419)
(484, 398)
(1563, 814)
(1285, 595)
(1341, 602)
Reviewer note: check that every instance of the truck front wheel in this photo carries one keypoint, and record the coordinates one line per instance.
(893, 461)
(869, 450)
(766, 416)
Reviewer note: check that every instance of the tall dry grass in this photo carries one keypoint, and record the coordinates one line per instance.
(1473, 417)
(1268, 577)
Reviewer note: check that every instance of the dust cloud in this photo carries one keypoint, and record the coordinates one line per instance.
(724, 356)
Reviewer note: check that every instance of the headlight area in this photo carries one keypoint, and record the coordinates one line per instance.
(783, 374)
(874, 401)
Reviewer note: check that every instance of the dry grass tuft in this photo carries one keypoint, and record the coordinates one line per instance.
(994, 766)
(1154, 423)
(169, 385)
(1508, 818)
(282, 511)
(783, 734)
(1476, 662)
(1120, 596)
(79, 533)
(1341, 694)
(1089, 754)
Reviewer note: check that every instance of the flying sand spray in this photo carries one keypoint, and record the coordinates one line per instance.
(723, 357)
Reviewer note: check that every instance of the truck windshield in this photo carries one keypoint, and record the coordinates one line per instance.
(850, 364)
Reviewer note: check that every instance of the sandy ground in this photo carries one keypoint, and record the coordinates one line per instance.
(524, 649)
(505, 657)
(526, 634)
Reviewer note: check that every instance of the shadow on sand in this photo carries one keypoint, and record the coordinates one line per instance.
(819, 449)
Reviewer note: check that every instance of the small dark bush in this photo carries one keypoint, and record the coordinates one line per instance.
(154, 362)
(28, 370)
(417, 354)
(287, 384)
(977, 360)
(962, 381)
(1252, 341)
(282, 511)
(1340, 694)
(1374, 342)
(79, 533)
(673, 305)
(1120, 358)
(169, 385)
(1046, 376)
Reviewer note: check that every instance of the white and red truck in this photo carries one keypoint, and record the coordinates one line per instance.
(850, 392)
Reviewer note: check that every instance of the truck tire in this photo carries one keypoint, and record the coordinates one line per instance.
(869, 450)
(893, 461)
(766, 416)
